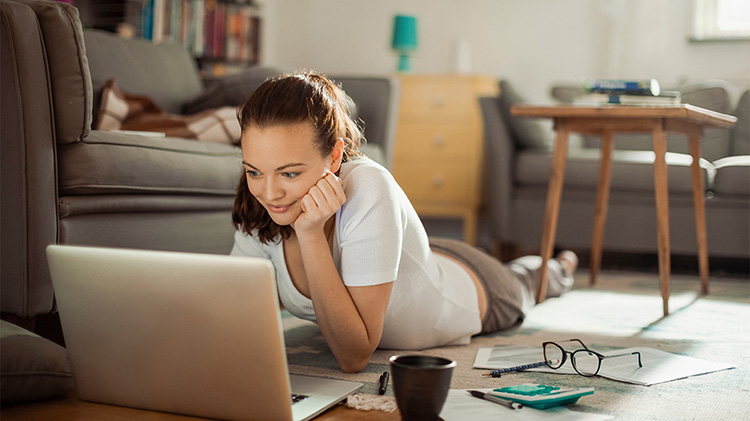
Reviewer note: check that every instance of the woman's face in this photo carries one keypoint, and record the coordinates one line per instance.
(281, 164)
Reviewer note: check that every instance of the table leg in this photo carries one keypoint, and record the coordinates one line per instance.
(602, 198)
(700, 212)
(554, 191)
(662, 212)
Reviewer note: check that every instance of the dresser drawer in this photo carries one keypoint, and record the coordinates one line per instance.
(425, 183)
(447, 140)
(437, 99)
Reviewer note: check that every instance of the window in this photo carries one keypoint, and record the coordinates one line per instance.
(717, 20)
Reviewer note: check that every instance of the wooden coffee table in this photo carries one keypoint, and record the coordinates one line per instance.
(605, 121)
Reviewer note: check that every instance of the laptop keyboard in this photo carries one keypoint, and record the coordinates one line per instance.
(298, 398)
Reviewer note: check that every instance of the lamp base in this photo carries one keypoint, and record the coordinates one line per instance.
(404, 64)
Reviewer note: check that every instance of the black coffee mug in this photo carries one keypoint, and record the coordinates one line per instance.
(421, 384)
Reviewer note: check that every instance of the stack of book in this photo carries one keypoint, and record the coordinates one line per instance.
(627, 92)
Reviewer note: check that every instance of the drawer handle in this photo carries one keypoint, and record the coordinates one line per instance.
(438, 140)
(437, 181)
(438, 101)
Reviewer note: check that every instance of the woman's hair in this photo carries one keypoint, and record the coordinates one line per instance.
(291, 99)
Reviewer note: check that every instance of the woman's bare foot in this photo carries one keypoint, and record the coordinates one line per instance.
(568, 260)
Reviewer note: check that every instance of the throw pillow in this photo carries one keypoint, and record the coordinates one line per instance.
(31, 367)
(117, 106)
(230, 90)
(527, 133)
(122, 111)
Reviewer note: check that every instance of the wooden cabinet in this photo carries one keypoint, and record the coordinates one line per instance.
(439, 145)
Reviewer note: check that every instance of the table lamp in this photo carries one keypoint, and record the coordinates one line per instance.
(404, 40)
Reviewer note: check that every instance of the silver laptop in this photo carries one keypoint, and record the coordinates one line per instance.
(194, 334)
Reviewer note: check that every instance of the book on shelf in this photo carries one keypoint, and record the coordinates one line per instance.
(645, 87)
(212, 30)
(147, 19)
(197, 28)
(175, 21)
(161, 21)
(667, 99)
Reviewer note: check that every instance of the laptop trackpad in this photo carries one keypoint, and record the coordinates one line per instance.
(322, 394)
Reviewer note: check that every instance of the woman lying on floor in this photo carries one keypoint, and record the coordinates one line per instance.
(349, 250)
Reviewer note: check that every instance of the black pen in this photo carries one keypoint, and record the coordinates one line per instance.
(495, 399)
(383, 382)
(499, 372)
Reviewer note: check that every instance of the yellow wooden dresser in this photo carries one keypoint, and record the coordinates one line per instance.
(439, 145)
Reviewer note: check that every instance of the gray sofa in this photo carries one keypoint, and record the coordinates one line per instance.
(519, 157)
(64, 183)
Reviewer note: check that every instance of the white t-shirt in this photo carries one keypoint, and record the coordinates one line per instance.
(379, 238)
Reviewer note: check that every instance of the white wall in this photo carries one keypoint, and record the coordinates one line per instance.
(534, 43)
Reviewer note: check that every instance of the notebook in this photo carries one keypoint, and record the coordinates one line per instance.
(193, 334)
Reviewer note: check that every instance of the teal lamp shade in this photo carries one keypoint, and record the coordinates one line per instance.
(404, 39)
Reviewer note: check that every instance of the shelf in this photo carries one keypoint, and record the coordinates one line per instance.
(220, 34)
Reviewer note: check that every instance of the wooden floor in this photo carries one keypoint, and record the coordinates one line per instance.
(71, 408)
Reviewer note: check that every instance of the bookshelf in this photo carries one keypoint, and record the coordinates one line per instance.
(223, 35)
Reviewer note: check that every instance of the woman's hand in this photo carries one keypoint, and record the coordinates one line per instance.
(321, 202)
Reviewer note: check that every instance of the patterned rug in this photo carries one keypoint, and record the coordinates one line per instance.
(623, 310)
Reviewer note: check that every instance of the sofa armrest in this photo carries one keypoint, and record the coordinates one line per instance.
(28, 207)
(499, 164)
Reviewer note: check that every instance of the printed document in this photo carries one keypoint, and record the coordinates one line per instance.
(658, 366)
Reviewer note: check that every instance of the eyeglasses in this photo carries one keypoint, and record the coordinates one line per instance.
(585, 361)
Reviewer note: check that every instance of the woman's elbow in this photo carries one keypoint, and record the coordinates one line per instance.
(352, 365)
(354, 361)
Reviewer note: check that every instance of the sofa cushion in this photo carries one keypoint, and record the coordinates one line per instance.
(732, 176)
(122, 111)
(67, 68)
(526, 133)
(741, 131)
(631, 170)
(165, 72)
(31, 367)
(111, 162)
(566, 94)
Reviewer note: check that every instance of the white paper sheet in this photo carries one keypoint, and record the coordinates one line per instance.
(658, 366)
(461, 406)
